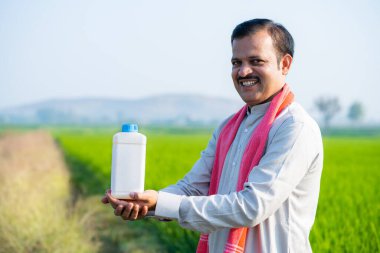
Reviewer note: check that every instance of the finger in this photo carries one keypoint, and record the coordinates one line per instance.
(119, 210)
(127, 211)
(143, 212)
(105, 200)
(114, 202)
(135, 212)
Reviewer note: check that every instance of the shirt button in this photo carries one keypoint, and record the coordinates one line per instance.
(245, 130)
(234, 163)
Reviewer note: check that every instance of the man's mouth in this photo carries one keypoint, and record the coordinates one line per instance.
(249, 82)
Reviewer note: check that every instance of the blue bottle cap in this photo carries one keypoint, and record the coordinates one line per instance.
(129, 128)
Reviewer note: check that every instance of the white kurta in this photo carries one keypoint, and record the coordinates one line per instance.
(279, 201)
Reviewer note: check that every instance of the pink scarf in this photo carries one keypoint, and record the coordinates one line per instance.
(251, 158)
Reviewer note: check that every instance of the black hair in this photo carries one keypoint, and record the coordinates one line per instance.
(282, 40)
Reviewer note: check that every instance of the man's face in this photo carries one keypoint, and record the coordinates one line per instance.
(256, 73)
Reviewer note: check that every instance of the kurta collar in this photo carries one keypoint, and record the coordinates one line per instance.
(258, 109)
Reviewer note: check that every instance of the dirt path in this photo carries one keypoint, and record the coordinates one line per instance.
(35, 213)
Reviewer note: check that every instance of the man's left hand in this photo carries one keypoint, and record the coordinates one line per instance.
(135, 208)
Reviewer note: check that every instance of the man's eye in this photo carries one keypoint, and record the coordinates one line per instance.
(256, 61)
(235, 63)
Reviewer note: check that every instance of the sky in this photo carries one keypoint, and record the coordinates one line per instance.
(133, 49)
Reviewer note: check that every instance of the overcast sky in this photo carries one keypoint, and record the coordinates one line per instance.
(132, 49)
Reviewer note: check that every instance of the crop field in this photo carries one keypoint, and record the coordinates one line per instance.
(348, 215)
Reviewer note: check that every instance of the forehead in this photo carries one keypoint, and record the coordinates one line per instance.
(258, 44)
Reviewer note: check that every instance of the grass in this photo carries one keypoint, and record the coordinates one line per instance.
(349, 205)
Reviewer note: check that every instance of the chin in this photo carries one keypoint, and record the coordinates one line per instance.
(251, 100)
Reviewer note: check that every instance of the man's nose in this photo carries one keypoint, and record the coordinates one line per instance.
(244, 70)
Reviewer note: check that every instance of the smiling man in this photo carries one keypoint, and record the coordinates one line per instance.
(255, 187)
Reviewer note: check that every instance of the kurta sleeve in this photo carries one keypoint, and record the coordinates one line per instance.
(289, 156)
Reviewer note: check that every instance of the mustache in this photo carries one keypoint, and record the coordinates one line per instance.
(240, 78)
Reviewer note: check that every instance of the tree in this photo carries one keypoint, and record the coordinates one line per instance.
(328, 107)
(355, 112)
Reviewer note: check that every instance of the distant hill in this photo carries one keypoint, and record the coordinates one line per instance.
(177, 109)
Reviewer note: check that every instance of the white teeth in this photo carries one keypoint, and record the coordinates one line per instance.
(249, 83)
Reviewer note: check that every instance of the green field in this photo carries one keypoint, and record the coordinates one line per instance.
(348, 214)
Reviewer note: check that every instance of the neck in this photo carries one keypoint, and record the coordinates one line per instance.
(268, 99)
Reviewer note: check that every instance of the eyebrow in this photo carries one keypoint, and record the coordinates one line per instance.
(254, 57)
(249, 58)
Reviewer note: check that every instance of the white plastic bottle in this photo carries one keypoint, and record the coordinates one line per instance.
(128, 162)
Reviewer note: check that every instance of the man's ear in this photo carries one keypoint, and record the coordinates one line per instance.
(285, 64)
